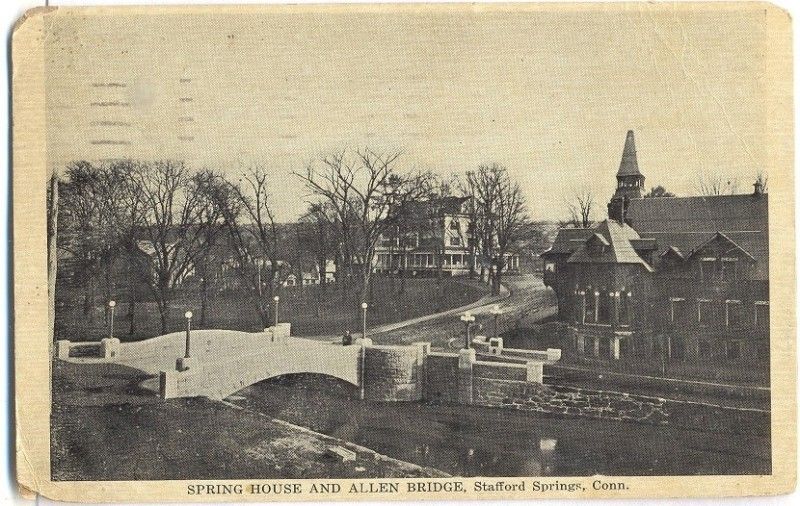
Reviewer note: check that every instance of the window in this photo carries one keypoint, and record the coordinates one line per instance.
(728, 269)
(704, 348)
(707, 269)
(605, 302)
(455, 241)
(625, 307)
(733, 350)
(677, 310)
(761, 314)
(550, 267)
(705, 312)
(733, 313)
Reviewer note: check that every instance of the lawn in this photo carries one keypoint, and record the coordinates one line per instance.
(310, 311)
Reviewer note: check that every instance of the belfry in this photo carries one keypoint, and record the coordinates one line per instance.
(630, 182)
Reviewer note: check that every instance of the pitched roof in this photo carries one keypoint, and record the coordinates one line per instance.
(568, 240)
(719, 236)
(620, 250)
(629, 166)
(687, 222)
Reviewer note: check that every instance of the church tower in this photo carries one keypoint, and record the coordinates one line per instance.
(630, 182)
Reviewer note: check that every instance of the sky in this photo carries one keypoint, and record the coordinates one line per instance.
(548, 92)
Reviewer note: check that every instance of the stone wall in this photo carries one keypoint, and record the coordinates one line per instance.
(441, 383)
(459, 378)
(394, 373)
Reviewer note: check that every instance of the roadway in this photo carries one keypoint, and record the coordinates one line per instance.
(525, 297)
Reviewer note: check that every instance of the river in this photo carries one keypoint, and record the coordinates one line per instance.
(477, 441)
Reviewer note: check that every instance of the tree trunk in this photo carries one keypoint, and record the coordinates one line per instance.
(440, 265)
(203, 297)
(404, 261)
(132, 299)
(108, 293)
(270, 294)
(52, 257)
(163, 310)
(88, 302)
(496, 283)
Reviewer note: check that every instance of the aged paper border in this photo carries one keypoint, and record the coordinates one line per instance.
(32, 347)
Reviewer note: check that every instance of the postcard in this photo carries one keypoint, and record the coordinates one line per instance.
(404, 252)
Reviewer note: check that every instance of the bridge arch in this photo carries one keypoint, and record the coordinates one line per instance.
(222, 377)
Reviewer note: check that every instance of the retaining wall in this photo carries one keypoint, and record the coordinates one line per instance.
(459, 378)
(394, 373)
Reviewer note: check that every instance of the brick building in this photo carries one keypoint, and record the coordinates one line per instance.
(682, 277)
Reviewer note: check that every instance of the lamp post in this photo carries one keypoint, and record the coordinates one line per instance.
(364, 307)
(276, 299)
(468, 319)
(188, 316)
(111, 305)
(496, 312)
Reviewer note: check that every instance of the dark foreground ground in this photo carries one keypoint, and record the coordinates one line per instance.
(104, 427)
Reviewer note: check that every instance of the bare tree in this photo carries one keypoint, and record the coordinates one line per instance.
(364, 191)
(211, 188)
(172, 224)
(95, 210)
(503, 216)
(580, 208)
(317, 238)
(716, 184)
(466, 188)
(254, 237)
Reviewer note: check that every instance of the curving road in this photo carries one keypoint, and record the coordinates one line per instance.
(528, 298)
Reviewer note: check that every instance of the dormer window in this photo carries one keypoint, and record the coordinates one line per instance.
(596, 244)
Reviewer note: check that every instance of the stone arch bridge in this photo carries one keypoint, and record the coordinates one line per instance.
(224, 362)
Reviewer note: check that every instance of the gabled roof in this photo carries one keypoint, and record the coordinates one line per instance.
(598, 238)
(687, 222)
(673, 251)
(719, 236)
(618, 236)
(568, 240)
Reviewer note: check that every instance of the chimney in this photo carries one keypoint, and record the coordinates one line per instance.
(758, 187)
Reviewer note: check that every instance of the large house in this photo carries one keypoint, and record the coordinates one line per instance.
(432, 232)
(678, 277)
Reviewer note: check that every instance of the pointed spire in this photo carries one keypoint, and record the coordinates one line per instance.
(629, 166)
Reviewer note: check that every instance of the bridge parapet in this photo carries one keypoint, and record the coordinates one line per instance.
(160, 353)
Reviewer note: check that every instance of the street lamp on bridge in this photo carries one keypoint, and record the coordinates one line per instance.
(111, 305)
(496, 312)
(188, 316)
(276, 299)
(468, 320)
(364, 307)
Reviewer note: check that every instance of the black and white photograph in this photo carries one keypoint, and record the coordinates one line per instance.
(375, 251)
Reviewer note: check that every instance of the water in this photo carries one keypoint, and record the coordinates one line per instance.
(476, 441)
